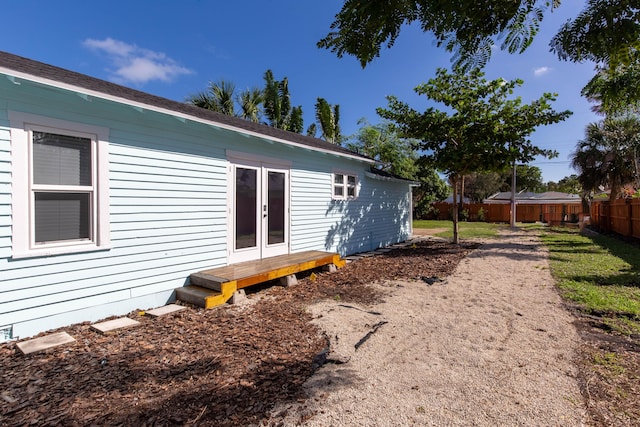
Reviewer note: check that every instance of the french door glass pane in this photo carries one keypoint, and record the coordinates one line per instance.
(62, 216)
(246, 200)
(61, 159)
(276, 203)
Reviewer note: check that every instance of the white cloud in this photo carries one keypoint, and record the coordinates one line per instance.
(133, 64)
(541, 71)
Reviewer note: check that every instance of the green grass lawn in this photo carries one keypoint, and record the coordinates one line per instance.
(601, 274)
(467, 229)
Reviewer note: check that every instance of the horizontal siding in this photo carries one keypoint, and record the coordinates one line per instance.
(179, 230)
(310, 193)
(378, 217)
(115, 191)
(168, 208)
(101, 281)
(167, 188)
(151, 202)
(38, 275)
(213, 223)
(158, 208)
(40, 311)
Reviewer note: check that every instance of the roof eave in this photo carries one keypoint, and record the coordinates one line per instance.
(12, 75)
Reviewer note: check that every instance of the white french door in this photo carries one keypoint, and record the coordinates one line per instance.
(259, 211)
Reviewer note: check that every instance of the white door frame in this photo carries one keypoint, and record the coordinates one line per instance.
(262, 248)
(277, 209)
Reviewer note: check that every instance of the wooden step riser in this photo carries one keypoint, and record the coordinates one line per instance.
(199, 297)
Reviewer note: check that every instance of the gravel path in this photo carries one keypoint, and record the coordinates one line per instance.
(491, 345)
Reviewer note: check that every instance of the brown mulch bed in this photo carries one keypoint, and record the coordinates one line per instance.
(225, 367)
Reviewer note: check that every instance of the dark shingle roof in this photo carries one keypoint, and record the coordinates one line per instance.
(536, 198)
(81, 81)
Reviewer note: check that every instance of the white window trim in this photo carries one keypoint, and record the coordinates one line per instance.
(22, 210)
(345, 185)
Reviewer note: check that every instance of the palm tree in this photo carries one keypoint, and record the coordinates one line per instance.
(312, 129)
(295, 121)
(219, 98)
(250, 101)
(328, 117)
(608, 155)
(277, 105)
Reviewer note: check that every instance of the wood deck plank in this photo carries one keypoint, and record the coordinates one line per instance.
(254, 272)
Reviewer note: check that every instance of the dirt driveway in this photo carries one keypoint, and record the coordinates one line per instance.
(490, 345)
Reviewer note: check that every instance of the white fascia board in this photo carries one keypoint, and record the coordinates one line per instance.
(181, 116)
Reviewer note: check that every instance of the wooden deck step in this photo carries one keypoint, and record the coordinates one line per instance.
(204, 297)
(208, 281)
(253, 272)
(216, 286)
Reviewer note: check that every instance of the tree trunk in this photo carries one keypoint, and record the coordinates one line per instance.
(512, 219)
(454, 182)
(461, 208)
(615, 189)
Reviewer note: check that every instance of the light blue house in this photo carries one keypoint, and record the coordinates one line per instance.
(110, 197)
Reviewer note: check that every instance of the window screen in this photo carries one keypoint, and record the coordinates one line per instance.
(62, 187)
(61, 159)
(61, 216)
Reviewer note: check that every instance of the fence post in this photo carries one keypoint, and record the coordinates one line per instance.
(630, 216)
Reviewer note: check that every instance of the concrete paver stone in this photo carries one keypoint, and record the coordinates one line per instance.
(45, 342)
(111, 325)
(164, 310)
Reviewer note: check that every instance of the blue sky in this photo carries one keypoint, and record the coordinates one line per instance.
(173, 49)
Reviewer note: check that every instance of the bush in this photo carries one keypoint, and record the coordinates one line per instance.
(425, 209)
(481, 215)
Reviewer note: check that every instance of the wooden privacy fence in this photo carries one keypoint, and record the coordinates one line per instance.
(501, 212)
(621, 216)
(492, 212)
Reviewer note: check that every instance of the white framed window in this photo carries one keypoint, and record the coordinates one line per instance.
(60, 186)
(345, 186)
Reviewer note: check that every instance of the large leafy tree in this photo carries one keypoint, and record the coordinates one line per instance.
(480, 129)
(615, 90)
(606, 32)
(608, 155)
(277, 105)
(432, 189)
(569, 184)
(469, 28)
(480, 185)
(398, 156)
(381, 142)
(528, 178)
